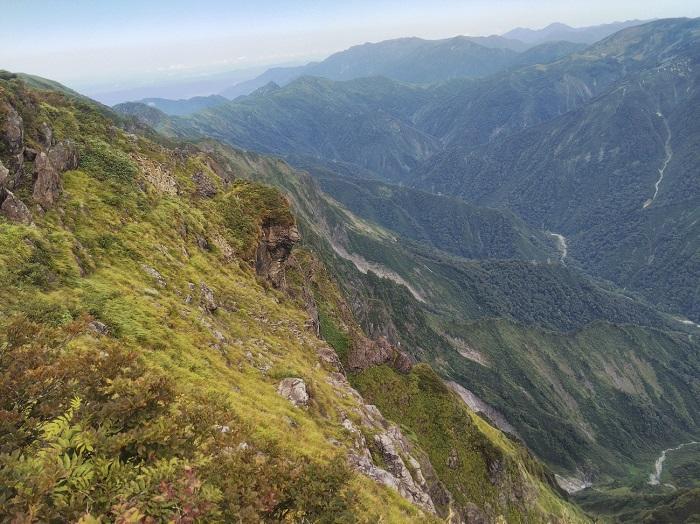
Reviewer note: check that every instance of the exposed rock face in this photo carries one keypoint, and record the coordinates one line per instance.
(47, 185)
(46, 135)
(157, 174)
(12, 136)
(4, 175)
(64, 156)
(14, 209)
(294, 390)
(275, 246)
(396, 450)
(366, 353)
(205, 187)
(392, 445)
(48, 168)
(207, 298)
(12, 129)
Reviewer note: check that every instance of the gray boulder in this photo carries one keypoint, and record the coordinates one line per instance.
(4, 175)
(207, 298)
(12, 136)
(47, 171)
(46, 135)
(14, 209)
(205, 187)
(294, 390)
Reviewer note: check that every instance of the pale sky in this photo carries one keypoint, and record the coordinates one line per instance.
(119, 43)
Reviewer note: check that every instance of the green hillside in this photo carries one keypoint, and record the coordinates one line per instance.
(158, 359)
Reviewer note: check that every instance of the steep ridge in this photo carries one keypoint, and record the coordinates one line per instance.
(158, 349)
(494, 358)
(362, 122)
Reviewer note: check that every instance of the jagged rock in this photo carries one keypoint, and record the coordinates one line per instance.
(227, 252)
(207, 298)
(158, 175)
(329, 358)
(202, 243)
(366, 353)
(47, 185)
(275, 246)
(46, 135)
(294, 390)
(412, 487)
(152, 272)
(64, 156)
(12, 130)
(402, 362)
(47, 171)
(205, 187)
(12, 136)
(4, 175)
(29, 154)
(97, 327)
(14, 209)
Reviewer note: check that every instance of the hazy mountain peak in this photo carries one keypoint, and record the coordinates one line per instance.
(561, 31)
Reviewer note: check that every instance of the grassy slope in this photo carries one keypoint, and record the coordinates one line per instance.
(85, 260)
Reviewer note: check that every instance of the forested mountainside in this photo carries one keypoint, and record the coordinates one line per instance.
(168, 350)
(616, 176)
(598, 147)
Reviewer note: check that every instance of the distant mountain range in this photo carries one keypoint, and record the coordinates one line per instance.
(427, 61)
(420, 61)
(559, 31)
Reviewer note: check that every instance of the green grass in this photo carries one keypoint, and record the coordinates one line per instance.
(143, 440)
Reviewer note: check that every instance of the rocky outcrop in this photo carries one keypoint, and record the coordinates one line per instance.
(48, 168)
(4, 175)
(12, 138)
(64, 156)
(394, 448)
(204, 185)
(405, 470)
(273, 251)
(366, 353)
(46, 135)
(155, 274)
(294, 390)
(207, 298)
(14, 209)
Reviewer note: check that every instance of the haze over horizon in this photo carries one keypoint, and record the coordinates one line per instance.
(111, 46)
